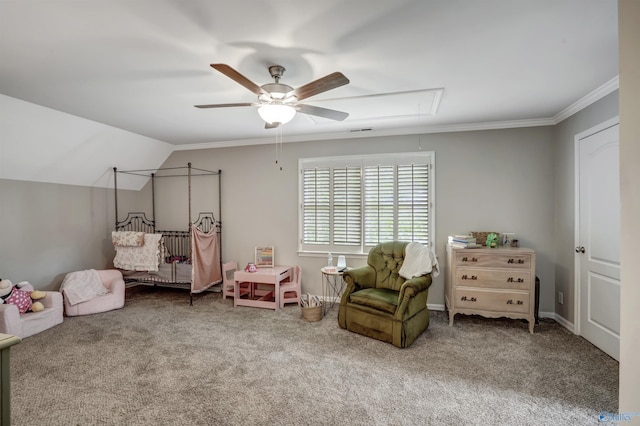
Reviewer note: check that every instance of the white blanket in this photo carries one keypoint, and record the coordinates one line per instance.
(419, 260)
(81, 286)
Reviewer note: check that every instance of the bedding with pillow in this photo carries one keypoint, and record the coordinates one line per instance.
(127, 238)
(144, 258)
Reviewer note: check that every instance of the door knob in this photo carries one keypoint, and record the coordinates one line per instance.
(580, 250)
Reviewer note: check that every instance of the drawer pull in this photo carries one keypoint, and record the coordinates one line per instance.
(513, 280)
(518, 302)
(466, 259)
(468, 299)
(519, 261)
(467, 277)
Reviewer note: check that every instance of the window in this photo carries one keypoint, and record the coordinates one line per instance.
(350, 204)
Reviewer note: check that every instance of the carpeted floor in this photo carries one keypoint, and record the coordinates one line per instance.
(159, 361)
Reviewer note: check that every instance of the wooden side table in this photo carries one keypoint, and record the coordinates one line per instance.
(6, 341)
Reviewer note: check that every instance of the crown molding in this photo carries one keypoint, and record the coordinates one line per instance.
(602, 91)
(592, 97)
(373, 133)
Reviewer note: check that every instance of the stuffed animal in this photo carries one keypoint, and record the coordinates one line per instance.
(492, 240)
(23, 299)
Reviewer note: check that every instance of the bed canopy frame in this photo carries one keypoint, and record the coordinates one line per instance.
(177, 243)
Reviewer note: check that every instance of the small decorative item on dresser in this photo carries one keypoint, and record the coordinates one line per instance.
(507, 239)
(492, 240)
(481, 237)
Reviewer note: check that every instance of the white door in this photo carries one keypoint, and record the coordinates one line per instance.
(598, 248)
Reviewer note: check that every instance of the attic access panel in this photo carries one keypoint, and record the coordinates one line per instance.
(410, 104)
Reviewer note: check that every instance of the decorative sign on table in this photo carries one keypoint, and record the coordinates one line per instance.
(264, 256)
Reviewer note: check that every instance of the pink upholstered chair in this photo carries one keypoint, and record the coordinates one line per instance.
(30, 323)
(112, 280)
(290, 291)
(228, 282)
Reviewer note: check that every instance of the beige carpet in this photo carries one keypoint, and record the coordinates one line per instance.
(159, 361)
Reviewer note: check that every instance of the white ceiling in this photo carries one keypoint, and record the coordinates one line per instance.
(141, 65)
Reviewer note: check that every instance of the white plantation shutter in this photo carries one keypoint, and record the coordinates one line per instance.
(316, 208)
(379, 204)
(347, 206)
(413, 203)
(351, 203)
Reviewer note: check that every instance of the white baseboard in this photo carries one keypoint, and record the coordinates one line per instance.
(560, 320)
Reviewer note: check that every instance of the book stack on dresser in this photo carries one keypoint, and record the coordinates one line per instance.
(463, 241)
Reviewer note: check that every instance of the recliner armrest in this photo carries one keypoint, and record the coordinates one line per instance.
(362, 277)
(356, 279)
(415, 285)
(409, 291)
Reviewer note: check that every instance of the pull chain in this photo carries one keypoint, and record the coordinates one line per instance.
(279, 146)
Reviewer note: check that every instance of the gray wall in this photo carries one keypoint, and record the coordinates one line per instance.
(513, 180)
(50, 229)
(564, 197)
(498, 180)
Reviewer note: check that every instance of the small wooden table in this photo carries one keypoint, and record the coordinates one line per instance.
(262, 299)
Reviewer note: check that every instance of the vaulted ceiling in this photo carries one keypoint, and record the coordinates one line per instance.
(142, 65)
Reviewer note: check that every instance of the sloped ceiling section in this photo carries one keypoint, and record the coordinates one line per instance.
(44, 145)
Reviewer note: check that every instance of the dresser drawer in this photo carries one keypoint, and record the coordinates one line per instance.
(486, 260)
(516, 279)
(496, 301)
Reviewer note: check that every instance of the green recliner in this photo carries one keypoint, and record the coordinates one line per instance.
(379, 303)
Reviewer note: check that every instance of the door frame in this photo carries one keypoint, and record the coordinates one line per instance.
(576, 234)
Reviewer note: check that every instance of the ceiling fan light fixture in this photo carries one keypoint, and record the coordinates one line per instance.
(277, 113)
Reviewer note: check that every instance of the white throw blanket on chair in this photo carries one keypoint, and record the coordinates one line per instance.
(81, 286)
(419, 260)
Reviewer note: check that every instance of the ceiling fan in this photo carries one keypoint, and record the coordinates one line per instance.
(278, 103)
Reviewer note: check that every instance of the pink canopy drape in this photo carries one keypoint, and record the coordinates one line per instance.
(205, 268)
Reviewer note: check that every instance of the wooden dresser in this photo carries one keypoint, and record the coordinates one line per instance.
(498, 282)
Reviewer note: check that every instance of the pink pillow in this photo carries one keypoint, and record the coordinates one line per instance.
(20, 298)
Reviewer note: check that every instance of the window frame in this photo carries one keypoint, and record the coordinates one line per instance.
(363, 161)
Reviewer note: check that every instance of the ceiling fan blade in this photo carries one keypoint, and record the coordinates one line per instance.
(331, 114)
(238, 78)
(225, 105)
(320, 85)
